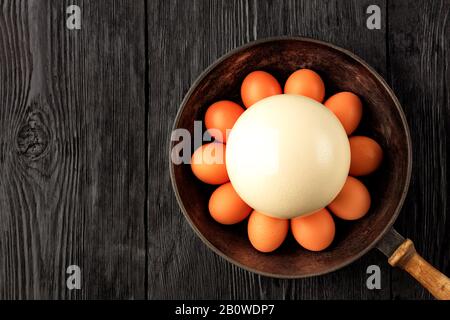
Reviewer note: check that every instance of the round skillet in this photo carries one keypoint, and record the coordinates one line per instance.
(383, 120)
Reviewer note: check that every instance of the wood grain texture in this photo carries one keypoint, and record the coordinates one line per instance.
(184, 38)
(73, 141)
(419, 51)
(72, 159)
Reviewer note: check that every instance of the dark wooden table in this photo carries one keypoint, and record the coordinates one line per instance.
(85, 120)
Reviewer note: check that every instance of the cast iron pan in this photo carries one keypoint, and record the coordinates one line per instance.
(383, 120)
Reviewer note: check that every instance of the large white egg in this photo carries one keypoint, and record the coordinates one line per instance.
(287, 155)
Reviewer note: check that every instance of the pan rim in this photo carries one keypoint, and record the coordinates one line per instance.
(397, 106)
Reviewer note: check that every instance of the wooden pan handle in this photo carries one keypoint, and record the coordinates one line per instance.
(406, 257)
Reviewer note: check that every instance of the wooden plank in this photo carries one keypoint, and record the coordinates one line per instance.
(72, 157)
(184, 38)
(419, 59)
